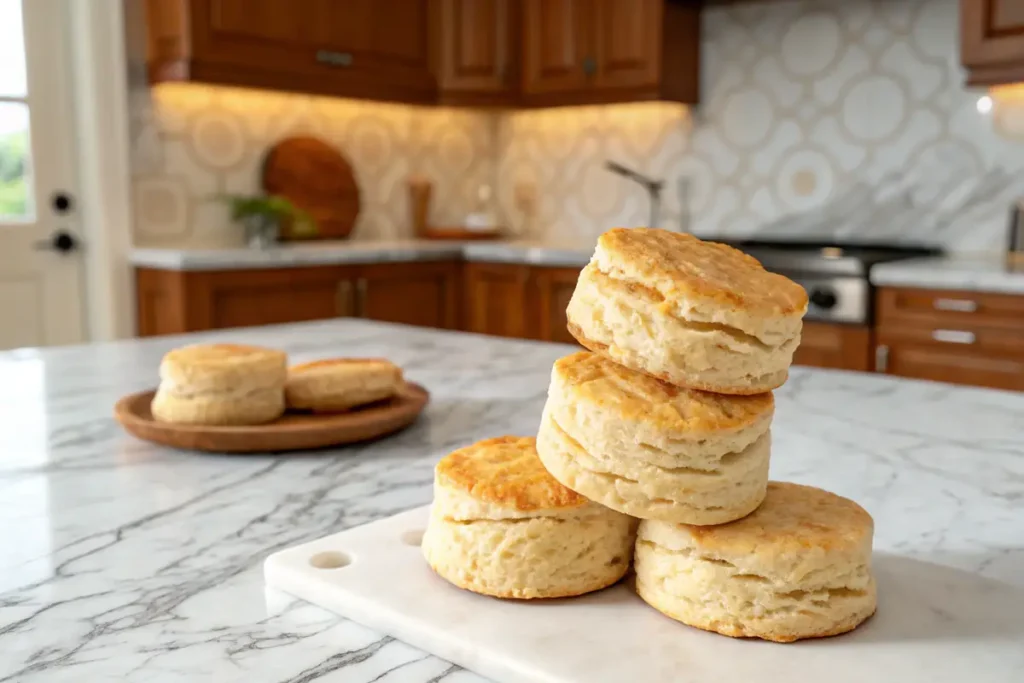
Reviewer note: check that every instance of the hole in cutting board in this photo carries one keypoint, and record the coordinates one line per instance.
(412, 537)
(330, 559)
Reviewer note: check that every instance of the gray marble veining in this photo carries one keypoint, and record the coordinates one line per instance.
(130, 562)
(352, 253)
(992, 274)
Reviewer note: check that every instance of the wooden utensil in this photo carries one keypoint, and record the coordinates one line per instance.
(315, 177)
(293, 432)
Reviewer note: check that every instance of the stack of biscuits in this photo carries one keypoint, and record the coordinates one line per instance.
(667, 419)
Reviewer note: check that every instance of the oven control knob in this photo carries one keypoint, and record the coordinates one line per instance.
(823, 298)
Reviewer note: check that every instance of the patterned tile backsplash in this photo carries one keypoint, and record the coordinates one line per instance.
(818, 117)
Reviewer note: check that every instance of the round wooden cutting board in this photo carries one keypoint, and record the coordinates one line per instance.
(293, 432)
(316, 177)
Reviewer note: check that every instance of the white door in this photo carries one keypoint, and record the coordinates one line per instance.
(41, 265)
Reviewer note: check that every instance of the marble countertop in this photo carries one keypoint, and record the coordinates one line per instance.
(352, 253)
(970, 273)
(131, 562)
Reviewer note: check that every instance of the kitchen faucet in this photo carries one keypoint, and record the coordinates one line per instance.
(652, 186)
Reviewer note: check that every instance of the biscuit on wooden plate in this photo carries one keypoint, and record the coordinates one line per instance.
(797, 567)
(339, 384)
(502, 526)
(697, 314)
(221, 384)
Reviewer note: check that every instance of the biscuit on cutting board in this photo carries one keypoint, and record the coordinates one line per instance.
(220, 384)
(797, 567)
(693, 313)
(651, 449)
(339, 384)
(500, 525)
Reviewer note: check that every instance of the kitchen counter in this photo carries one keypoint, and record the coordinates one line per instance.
(976, 274)
(344, 252)
(131, 562)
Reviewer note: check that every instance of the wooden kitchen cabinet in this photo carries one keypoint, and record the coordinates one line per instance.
(556, 47)
(171, 302)
(424, 294)
(495, 299)
(844, 347)
(992, 41)
(950, 336)
(374, 49)
(594, 51)
(477, 51)
(552, 289)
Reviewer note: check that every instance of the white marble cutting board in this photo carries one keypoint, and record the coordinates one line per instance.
(934, 624)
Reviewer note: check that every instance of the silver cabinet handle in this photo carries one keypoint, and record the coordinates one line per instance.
(332, 58)
(959, 305)
(881, 358)
(953, 336)
(361, 288)
(343, 299)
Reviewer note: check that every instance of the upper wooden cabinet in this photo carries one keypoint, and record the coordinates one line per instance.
(592, 51)
(992, 41)
(375, 49)
(477, 51)
(556, 47)
(468, 52)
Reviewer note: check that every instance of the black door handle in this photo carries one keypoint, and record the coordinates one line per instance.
(61, 241)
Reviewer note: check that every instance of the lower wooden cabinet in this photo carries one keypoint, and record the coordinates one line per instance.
(823, 345)
(495, 299)
(951, 336)
(171, 302)
(511, 300)
(424, 294)
(552, 289)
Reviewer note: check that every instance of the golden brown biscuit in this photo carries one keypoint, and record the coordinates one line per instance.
(797, 567)
(340, 384)
(693, 313)
(651, 449)
(502, 526)
(220, 384)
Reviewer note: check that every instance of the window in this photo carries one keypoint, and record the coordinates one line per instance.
(15, 151)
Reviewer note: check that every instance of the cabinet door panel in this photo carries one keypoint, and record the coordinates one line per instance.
(834, 346)
(556, 43)
(270, 305)
(410, 293)
(476, 46)
(628, 44)
(256, 33)
(554, 288)
(263, 20)
(496, 299)
(992, 34)
(956, 366)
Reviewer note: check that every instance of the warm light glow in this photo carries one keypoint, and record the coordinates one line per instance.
(984, 104)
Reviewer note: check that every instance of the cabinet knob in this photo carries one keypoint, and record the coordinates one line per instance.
(332, 58)
(589, 66)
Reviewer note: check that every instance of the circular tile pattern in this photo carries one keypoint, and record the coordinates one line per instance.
(873, 108)
(747, 118)
(805, 179)
(218, 139)
(811, 44)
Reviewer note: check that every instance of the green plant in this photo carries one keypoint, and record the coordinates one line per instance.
(271, 207)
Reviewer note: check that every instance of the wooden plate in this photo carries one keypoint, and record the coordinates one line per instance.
(293, 432)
